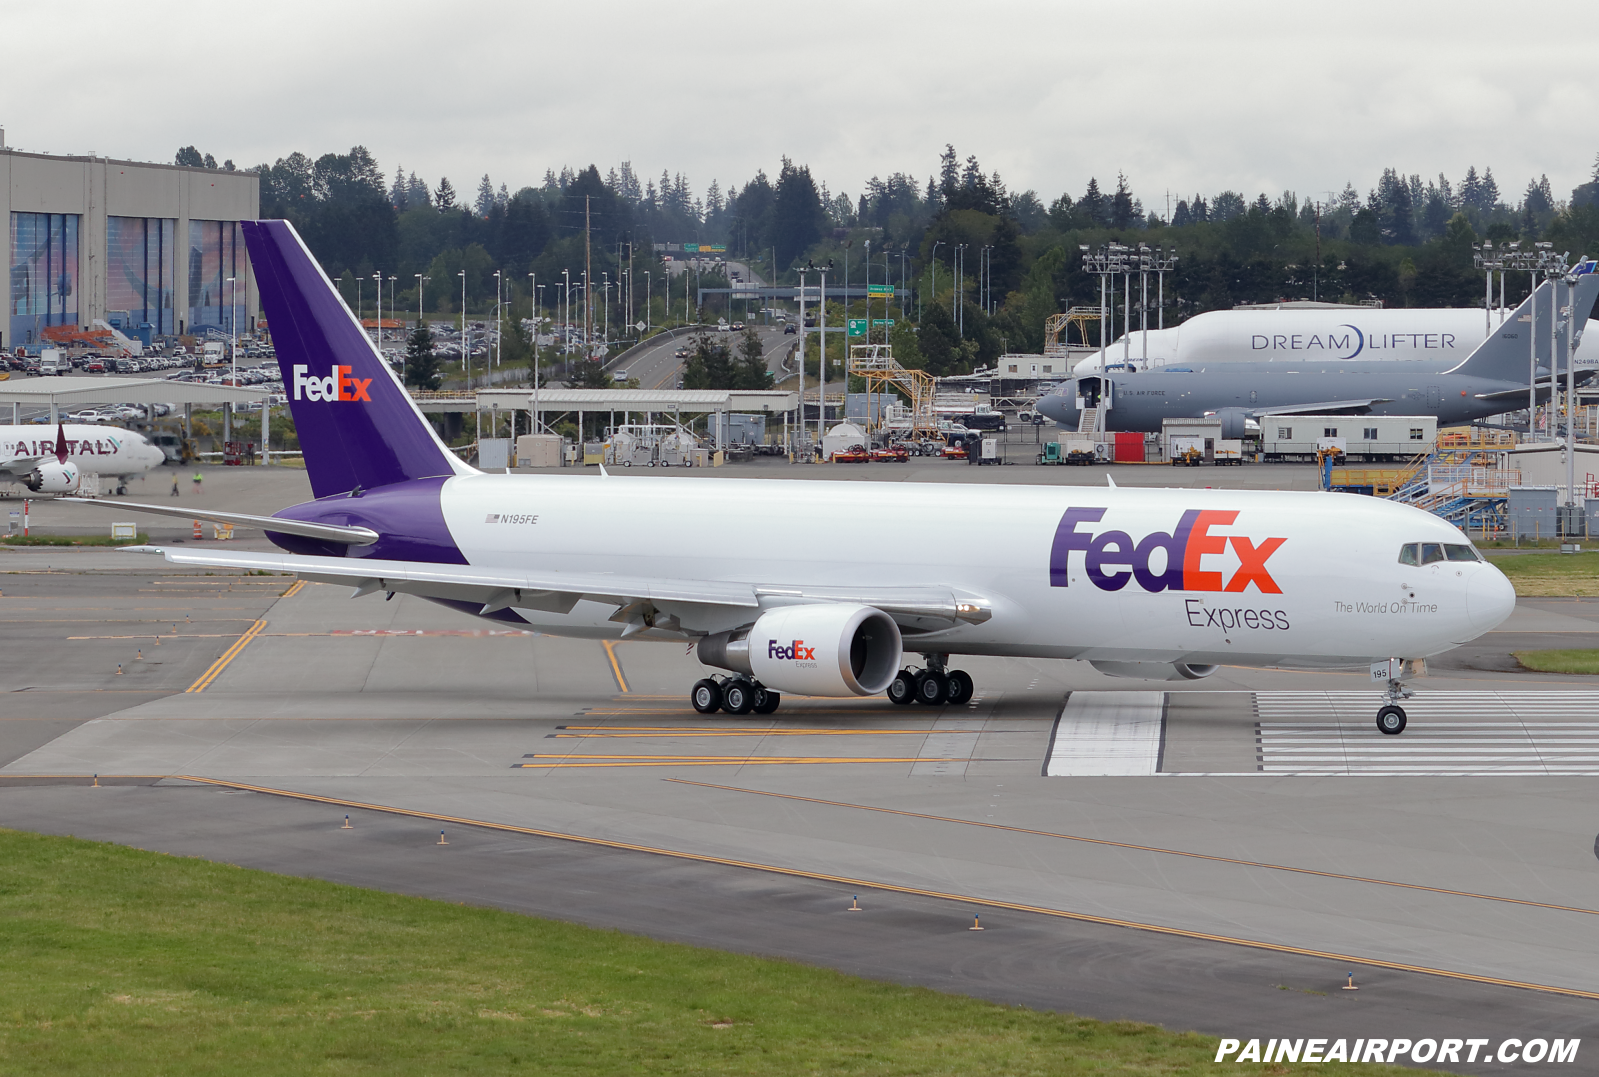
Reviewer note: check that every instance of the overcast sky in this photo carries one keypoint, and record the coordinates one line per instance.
(1183, 97)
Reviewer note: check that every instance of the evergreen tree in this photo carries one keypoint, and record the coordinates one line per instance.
(1121, 204)
(210, 162)
(1490, 191)
(189, 157)
(421, 365)
(709, 366)
(948, 173)
(417, 194)
(797, 215)
(1091, 208)
(1471, 190)
(399, 194)
(445, 198)
(485, 196)
(750, 371)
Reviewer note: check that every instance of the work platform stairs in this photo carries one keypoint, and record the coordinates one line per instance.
(1460, 485)
(1088, 422)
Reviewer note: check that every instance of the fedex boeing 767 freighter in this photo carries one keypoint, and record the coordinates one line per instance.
(1167, 584)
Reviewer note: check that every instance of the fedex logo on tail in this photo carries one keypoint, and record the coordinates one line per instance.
(793, 652)
(1112, 558)
(338, 385)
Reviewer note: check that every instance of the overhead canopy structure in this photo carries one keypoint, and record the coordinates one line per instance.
(72, 393)
(692, 401)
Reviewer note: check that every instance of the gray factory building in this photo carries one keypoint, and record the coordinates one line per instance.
(146, 248)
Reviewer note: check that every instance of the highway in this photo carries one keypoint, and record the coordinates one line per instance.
(657, 367)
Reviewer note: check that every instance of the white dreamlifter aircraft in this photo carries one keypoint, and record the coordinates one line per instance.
(1141, 583)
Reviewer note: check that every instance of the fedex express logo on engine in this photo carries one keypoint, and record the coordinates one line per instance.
(336, 386)
(1111, 558)
(792, 652)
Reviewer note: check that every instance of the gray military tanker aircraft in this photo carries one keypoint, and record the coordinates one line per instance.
(1492, 380)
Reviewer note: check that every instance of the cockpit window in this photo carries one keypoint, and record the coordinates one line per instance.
(1431, 552)
(1459, 552)
(1410, 553)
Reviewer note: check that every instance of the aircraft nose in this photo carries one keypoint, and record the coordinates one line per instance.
(1490, 598)
(1053, 406)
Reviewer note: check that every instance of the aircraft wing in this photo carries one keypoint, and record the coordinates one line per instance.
(557, 592)
(335, 533)
(1325, 407)
(21, 465)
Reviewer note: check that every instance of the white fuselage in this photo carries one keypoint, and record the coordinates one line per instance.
(96, 450)
(1443, 336)
(1331, 593)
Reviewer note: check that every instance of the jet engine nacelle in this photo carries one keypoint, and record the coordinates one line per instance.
(1155, 671)
(52, 477)
(1236, 424)
(823, 649)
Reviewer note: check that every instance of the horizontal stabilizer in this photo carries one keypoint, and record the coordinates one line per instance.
(335, 533)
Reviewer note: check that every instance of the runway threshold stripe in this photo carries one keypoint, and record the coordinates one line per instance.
(991, 903)
(1139, 848)
(227, 656)
(616, 665)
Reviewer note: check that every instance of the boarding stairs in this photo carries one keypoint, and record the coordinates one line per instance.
(1088, 422)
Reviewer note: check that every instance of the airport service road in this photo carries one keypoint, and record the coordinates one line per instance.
(1064, 806)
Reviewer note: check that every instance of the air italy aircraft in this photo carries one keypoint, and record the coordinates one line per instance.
(39, 462)
(1168, 584)
(1240, 387)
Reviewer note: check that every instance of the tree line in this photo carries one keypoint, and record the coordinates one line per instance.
(1407, 242)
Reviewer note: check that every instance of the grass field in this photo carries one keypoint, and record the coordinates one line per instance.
(1551, 574)
(70, 540)
(119, 961)
(1560, 661)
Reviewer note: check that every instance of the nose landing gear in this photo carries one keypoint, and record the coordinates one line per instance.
(1391, 719)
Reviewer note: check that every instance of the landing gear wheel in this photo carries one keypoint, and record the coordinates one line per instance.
(706, 695)
(960, 688)
(902, 689)
(1391, 720)
(766, 700)
(932, 687)
(738, 696)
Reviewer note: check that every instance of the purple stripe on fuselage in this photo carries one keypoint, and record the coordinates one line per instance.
(408, 516)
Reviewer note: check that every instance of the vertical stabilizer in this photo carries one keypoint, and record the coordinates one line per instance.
(1503, 356)
(356, 423)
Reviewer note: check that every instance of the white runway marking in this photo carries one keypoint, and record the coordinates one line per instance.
(1103, 733)
(1449, 733)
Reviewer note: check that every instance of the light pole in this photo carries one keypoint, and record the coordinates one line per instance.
(801, 424)
(420, 281)
(499, 318)
(466, 340)
(378, 276)
(233, 348)
(933, 257)
(606, 278)
(533, 301)
(649, 295)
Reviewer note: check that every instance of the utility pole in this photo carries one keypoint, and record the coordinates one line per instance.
(588, 274)
(801, 425)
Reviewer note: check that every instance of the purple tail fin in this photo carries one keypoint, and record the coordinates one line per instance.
(357, 424)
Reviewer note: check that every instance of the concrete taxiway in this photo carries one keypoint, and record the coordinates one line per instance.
(1216, 858)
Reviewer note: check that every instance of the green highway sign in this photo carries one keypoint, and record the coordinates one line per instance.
(714, 248)
(691, 248)
(880, 323)
(879, 289)
(857, 327)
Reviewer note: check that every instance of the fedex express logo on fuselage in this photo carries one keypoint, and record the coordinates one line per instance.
(336, 386)
(1112, 558)
(792, 652)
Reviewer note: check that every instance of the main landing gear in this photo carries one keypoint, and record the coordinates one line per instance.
(933, 686)
(735, 695)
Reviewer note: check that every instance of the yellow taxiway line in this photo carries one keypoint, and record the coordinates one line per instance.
(227, 656)
(616, 666)
(1143, 848)
(568, 761)
(845, 880)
